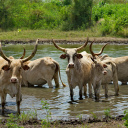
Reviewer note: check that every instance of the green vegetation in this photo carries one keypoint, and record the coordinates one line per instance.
(107, 113)
(94, 115)
(100, 18)
(114, 18)
(46, 122)
(126, 118)
(14, 120)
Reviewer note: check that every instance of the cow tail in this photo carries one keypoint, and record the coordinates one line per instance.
(64, 85)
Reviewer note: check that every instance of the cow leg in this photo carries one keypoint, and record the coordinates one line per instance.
(71, 94)
(85, 90)
(18, 101)
(56, 79)
(3, 101)
(50, 83)
(115, 79)
(97, 91)
(90, 89)
(106, 90)
(80, 92)
(116, 86)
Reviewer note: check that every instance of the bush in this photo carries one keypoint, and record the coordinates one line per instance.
(115, 18)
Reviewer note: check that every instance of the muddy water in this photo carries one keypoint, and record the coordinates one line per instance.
(59, 99)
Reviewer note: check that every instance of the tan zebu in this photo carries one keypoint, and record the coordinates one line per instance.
(79, 68)
(10, 76)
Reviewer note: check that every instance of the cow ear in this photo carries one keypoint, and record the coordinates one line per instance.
(25, 67)
(63, 56)
(6, 67)
(105, 66)
(79, 56)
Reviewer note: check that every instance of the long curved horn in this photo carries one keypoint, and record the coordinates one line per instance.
(90, 47)
(78, 49)
(3, 55)
(33, 53)
(96, 54)
(58, 47)
(23, 54)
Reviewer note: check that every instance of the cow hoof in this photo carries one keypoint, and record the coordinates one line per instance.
(80, 98)
(90, 95)
(96, 99)
(106, 96)
(117, 94)
(2, 113)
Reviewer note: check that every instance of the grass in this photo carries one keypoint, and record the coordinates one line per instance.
(45, 34)
(26, 35)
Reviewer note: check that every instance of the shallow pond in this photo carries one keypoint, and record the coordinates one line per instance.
(59, 98)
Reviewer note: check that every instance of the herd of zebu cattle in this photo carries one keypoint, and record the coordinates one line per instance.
(82, 69)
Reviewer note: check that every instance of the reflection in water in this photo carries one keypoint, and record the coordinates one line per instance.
(59, 98)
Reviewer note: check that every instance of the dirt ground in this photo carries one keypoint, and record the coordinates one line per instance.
(111, 40)
(113, 122)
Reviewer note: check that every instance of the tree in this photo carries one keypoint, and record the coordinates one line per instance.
(6, 20)
(79, 15)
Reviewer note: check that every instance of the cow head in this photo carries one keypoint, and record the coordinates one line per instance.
(100, 67)
(14, 66)
(71, 53)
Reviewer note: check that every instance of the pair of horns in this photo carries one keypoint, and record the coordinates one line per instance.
(64, 49)
(23, 60)
(96, 54)
(78, 49)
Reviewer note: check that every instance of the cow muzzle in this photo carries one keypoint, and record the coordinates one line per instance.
(70, 65)
(14, 80)
(104, 72)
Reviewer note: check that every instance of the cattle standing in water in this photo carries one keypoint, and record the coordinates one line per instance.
(10, 77)
(45, 70)
(122, 64)
(79, 68)
(98, 71)
(110, 76)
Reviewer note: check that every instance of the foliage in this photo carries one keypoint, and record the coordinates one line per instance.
(94, 115)
(79, 16)
(11, 121)
(80, 117)
(45, 106)
(115, 18)
(25, 117)
(66, 15)
(125, 118)
(107, 113)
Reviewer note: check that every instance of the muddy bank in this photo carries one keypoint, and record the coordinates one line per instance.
(98, 40)
(96, 123)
